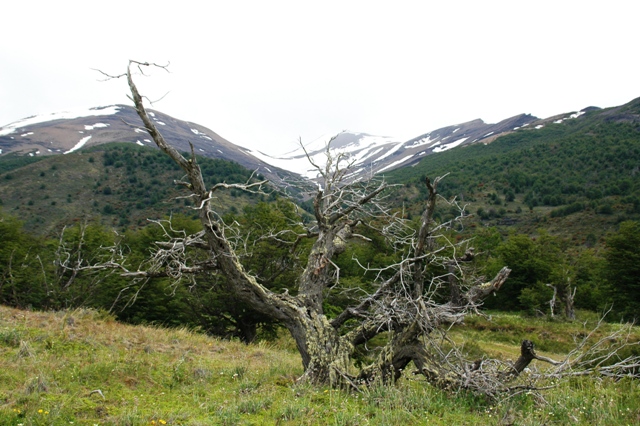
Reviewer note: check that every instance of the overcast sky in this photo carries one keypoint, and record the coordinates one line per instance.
(264, 73)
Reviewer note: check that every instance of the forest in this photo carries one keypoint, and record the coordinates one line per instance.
(603, 278)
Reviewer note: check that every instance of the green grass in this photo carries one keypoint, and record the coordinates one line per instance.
(81, 367)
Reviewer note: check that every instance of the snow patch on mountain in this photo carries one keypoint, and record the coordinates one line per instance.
(96, 126)
(64, 115)
(395, 163)
(296, 165)
(570, 117)
(424, 141)
(202, 135)
(389, 152)
(448, 146)
(79, 144)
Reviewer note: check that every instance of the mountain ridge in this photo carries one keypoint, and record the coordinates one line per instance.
(62, 133)
(366, 154)
(566, 166)
(65, 132)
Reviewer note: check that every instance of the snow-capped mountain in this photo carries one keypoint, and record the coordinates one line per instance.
(351, 148)
(62, 133)
(369, 155)
(65, 132)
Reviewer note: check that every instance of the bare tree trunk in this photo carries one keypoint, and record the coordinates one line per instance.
(403, 347)
(553, 301)
(248, 330)
(569, 308)
(326, 356)
(455, 295)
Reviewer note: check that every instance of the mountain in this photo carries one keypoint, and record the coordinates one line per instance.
(574, 175)
(577, 171)
(370, 154)
(362, 148)
(69, 131)
(367, 154)
(65, 132)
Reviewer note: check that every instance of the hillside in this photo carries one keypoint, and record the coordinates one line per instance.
(82, 367)
(120, 185)
(574, 174)
(69, 131)
(575, 177)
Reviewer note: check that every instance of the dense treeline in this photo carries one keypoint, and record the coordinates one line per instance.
(32, 276)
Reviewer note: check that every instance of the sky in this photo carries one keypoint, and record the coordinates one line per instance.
(266, 74)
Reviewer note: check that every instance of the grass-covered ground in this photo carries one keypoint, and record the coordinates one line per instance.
(81, 367)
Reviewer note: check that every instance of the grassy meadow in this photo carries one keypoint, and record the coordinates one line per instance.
(82, 367)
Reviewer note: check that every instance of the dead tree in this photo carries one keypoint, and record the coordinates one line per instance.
(566, 296)
(405, 304)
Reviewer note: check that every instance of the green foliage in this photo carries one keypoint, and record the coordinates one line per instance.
(267, 254)
(204, 301)
(136, 182)
(531, 262)
(354, 279)
(567, 210)
(622, 268)
(21, 278)
(14, 161)
(538, 263)
(31, 274)
(520, 182)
